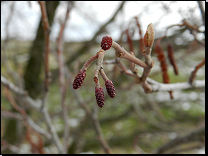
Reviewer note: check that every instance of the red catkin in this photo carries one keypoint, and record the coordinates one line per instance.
(110, 88)
(106, 42)
(99, 94)
(79, 79)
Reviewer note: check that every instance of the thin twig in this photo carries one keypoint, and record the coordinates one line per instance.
(141, 45)
(88, 44)
(47, 30)
(52, 130)
(122, 53)
(12, 148)
(196, 135)
(25, 117)
(98, 67)
(95, 121)
(62, 78)
(44, 110)
(4, 46)
(136, 147)
(21, 93)
(157, 87)
(193, 74)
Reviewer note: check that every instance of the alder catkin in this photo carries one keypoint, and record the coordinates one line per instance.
(79, 79)
(163, 64)
(110, 88)
(99, 94)
(106, 42)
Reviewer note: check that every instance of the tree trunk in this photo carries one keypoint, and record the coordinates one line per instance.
(32, 78)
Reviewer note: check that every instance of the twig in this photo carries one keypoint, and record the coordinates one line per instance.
(44, 110)
(98, 130)
(136, 147)
(52, 130)
(157, 87)
(193, 74)
(132, 65)
(198, 146)
(23, 94)
(47, 30)
(88, 44)
(176, 86)
(25, 117)
(141, 45)
(4, 59)
(11, 147)
(197, 135)
(36, 146)
(11, 115)
(122, 53)
(95, 121)
(180, 25)
(98, 67)
(61, 78)
(35, 105)
(88, 62)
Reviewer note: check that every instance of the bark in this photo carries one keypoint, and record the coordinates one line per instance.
(33, 69)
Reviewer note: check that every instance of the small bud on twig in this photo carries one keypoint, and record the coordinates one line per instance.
(149, 36)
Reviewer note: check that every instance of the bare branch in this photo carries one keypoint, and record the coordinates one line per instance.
(11, 147)
(23, 94)
(47, 30)
(193, 74)
(197, 135)
(61, 74)
(52, 129)
(25, 117)
(95, 121)
(122, 53)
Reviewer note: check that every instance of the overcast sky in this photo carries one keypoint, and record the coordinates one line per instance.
(87, 16)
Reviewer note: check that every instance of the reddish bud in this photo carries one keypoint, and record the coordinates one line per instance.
(99, 94)
(79, 79)
(106, 42)
(110, 88)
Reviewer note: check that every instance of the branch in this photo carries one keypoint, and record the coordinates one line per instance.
(19, 92)
(61, 74)
(12, 148)
(24, 116)
(193, 74)
(52, 130)
(95, 121)
(47, 30)
(197, 135)
(175, 86)
(156, 86)
(122, 53)
(87, 45)
(34, 104)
